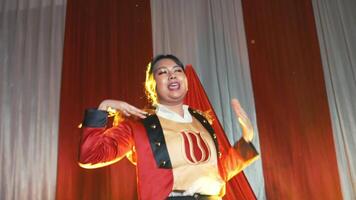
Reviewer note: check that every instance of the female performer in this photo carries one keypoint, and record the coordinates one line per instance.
(175, 148)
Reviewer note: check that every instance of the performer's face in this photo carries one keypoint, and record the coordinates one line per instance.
(171, 82)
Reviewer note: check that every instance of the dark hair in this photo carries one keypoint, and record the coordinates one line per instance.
(159, 57)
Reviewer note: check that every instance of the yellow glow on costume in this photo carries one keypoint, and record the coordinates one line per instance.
(114, 113)
(208, 115)
(98, 165)
(150, 85)
(111, 113)
(130, 155)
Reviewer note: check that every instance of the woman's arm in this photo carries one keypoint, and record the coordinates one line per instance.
(243, 153)
(122, 107)
(101, 146)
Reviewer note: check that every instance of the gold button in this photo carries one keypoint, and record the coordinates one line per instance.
(214, 136)
(219, 154)
(153, 126)
(204, 121)
(158, 144)
(163, 163)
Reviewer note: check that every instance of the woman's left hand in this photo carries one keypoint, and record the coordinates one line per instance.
(245, 123)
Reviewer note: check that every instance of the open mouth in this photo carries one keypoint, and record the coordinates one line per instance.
(174, 86)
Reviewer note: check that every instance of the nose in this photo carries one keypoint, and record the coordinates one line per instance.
(172, 75)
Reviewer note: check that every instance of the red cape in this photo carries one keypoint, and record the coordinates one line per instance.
(238, 187)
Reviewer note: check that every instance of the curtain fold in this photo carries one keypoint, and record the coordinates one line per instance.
(336, 26)
(31, 45)
(107, 46)
(210, 35)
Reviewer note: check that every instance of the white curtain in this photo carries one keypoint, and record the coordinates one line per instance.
(210, 35)
(336, 26)
(31, 46)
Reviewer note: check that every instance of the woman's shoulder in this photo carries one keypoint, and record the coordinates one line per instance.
(208, 114)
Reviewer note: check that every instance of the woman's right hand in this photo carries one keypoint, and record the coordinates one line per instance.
(122, 107)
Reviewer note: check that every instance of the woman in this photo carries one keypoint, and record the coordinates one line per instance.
(175, 148)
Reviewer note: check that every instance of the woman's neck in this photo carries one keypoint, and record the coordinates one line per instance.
(177, 108)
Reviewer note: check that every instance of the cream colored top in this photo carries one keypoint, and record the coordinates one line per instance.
(192, 153)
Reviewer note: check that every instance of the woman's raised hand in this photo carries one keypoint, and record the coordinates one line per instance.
(122, 107)
(245, 123)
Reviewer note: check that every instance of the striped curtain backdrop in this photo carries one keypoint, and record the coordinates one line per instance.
(290, 63)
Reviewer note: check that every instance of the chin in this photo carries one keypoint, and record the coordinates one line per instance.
(179, 96)
(172, 97)
(171, 100)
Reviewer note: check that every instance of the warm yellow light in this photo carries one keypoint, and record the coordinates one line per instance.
(112, 112)
(150, 85)
(209, 116)
(130, 155)
(98, 165)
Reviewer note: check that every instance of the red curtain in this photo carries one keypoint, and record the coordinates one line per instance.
(296, 140)
(107, 46)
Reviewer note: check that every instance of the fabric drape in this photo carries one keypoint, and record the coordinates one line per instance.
(336, 25)
(107, 46)
(31, 45)
(237, 188)
(210, 35)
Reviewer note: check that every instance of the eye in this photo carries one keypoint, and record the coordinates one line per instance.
(162, 71)
(178, 69)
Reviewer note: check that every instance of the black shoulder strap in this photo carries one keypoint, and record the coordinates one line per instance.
(158, 144)
(207, 126)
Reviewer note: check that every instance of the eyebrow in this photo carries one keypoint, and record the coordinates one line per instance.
(160, 67)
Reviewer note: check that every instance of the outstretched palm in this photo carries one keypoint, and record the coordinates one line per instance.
(245, 123)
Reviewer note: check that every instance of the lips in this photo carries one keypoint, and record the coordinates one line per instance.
(174, 86)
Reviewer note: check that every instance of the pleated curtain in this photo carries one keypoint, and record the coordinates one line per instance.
(31, 46)
(336, 25)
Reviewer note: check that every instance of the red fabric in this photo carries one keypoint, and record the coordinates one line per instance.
(149, 174)
(238, 187)
(97, 147)
(107, 46)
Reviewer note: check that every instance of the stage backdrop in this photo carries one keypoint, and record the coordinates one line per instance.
(107, 45)
(336, 25)
(31, 46)
(299, 160)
